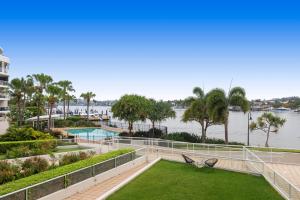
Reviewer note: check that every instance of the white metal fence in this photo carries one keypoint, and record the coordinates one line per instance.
(237, 158)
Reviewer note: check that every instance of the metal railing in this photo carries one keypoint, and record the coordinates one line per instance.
(5, 83)
(280, 183)
(136, 127)
(233, 155)
(64, 181)
(4, 108)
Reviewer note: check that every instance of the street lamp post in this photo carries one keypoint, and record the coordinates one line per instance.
(249, 119)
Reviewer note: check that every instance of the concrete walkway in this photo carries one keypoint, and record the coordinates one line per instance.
(100, 189)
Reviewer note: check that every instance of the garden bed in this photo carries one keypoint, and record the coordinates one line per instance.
(65, 175)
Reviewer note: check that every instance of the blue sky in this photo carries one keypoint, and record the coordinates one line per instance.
(160, 49)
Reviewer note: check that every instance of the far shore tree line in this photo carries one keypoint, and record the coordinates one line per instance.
(38, 94)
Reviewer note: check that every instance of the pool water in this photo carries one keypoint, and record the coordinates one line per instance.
(92, 133)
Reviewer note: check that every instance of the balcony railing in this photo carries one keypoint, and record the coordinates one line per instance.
(4, 109)
(5, 83)
(3, 70)
(4, 96)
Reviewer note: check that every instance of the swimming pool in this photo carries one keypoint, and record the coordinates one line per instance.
(92, 133)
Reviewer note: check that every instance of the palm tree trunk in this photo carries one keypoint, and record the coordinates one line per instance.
(23, 109)
(64, 105)
(130, 128)
(68, 108)
(88, 109)
(268, 136)
(226, 131)
(153, 126)
(203, 136)
(38, 117)
(50, 115)
(19, 114)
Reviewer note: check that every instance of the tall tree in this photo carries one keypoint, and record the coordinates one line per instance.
(198, 111)
(159, 111)
(268, 123)
(131, 108)
(55, 93)
(42, 82)
(28, 90)
(17, 96)
(88, 97)
(219, 103)
(66, 88)
(69, 98)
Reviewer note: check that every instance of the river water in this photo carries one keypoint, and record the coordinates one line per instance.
(287, 137)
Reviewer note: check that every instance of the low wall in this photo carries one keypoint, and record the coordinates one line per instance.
(84, 185)
(75, 181)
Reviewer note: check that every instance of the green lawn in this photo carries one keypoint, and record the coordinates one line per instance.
(170, 180)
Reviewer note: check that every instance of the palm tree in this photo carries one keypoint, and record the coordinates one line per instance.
(68, 99)
(42, 81)
(55, 93)
(219, 102)
(198, 111)
(88, 96)
(66, 88)
(27, 89)
(17, 94)
(268, 123)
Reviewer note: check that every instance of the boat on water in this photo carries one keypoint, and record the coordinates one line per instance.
(281, 109)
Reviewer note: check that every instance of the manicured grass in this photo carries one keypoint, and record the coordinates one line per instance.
(59, 171)
(62, 150)
(171, 181)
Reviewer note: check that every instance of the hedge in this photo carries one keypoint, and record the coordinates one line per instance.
(31, 144)
(59, 171)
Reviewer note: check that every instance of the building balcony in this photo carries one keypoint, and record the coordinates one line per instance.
(4, 97)
(4, 110)
(3, 71)
(3, 83)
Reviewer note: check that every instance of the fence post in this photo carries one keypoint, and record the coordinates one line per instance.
(290, 191)
(172, 148)
(274, 178)
(115, 162)
(26, 194)
(271, 155)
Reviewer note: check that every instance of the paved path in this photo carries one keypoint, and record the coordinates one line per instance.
(101, 188)
(290, 172)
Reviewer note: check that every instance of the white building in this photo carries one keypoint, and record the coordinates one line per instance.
(4, 97)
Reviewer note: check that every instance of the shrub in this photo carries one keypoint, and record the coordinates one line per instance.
(8, 172)
(183, 137)
(44, 145)
(74, 118)
(85, 123)
(34, 165)
(60, 123)
(73, 122)
(25, 133)
(17, 152)
(193, 138)
(83, 155)
(157, 133)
